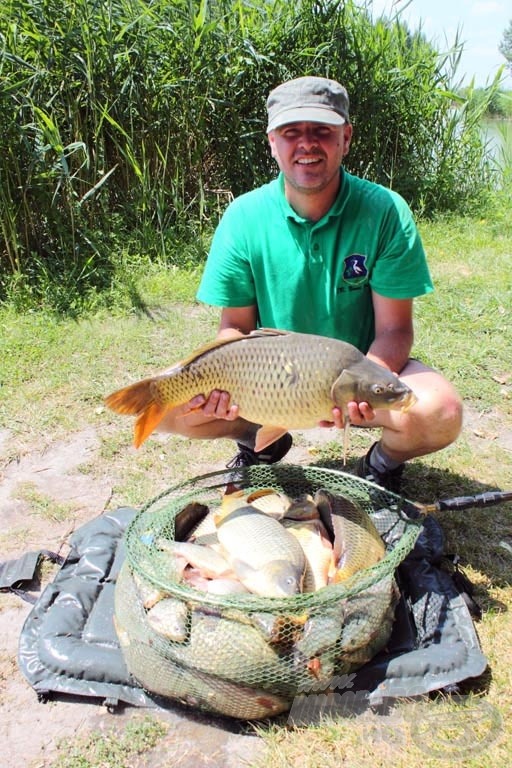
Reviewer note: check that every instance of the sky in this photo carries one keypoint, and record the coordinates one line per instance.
(481, 24)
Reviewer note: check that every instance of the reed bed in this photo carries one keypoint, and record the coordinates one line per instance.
(127, 125)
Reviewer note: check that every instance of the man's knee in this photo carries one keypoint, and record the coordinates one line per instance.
(441, 415)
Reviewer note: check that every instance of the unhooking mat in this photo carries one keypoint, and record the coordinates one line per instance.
(68, 644)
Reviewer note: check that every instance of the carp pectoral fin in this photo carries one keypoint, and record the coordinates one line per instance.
(344, 389)
(267, 435)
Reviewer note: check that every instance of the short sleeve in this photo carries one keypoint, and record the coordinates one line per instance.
(400, 271)
(227, 280)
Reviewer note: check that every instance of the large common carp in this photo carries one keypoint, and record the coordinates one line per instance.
(278, 379)
(266, 557)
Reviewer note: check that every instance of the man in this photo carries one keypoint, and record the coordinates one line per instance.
(318, 250)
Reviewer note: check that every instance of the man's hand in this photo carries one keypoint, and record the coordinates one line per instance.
(215, 406)
(359, 414)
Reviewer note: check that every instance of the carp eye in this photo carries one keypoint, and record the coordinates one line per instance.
(377, 389)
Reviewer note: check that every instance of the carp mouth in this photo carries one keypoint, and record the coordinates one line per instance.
(407, 401)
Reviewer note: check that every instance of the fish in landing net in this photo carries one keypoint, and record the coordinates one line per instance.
(279, 379)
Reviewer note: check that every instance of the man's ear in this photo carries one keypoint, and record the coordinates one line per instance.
(347, 138)
(271, 141)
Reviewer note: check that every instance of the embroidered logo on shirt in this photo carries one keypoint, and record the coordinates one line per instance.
(355, 268)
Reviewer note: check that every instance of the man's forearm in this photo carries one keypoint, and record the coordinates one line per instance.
(392, 349)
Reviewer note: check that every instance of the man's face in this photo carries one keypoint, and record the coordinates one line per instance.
(310, 154)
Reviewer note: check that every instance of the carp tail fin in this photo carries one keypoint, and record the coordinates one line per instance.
(138, 400)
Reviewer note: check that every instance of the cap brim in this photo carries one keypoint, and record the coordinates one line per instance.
(305, 114)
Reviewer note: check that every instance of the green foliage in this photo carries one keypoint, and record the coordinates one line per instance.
(412, 132)
(500, 104)
(127, 126)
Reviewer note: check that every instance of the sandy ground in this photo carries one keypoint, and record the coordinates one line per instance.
(30, 730)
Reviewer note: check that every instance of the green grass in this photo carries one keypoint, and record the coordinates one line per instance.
(42, 505)
(56, 372)
(110, 750)
(428, 734)
(464, 327)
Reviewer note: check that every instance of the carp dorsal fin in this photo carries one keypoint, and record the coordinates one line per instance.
(208, 347)
(216, 343)
(269, 332)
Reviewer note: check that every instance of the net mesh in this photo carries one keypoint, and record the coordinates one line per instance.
(245, 655)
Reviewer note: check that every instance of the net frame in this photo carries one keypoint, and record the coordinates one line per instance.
(157, 519)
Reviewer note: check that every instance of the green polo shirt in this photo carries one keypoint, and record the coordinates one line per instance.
(316, 277)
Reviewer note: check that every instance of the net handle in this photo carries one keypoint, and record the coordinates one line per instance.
(466, 502)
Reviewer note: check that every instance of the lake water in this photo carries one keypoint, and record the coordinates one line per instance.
(498, 134)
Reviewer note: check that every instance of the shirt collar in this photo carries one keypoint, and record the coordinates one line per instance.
(334, 210)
